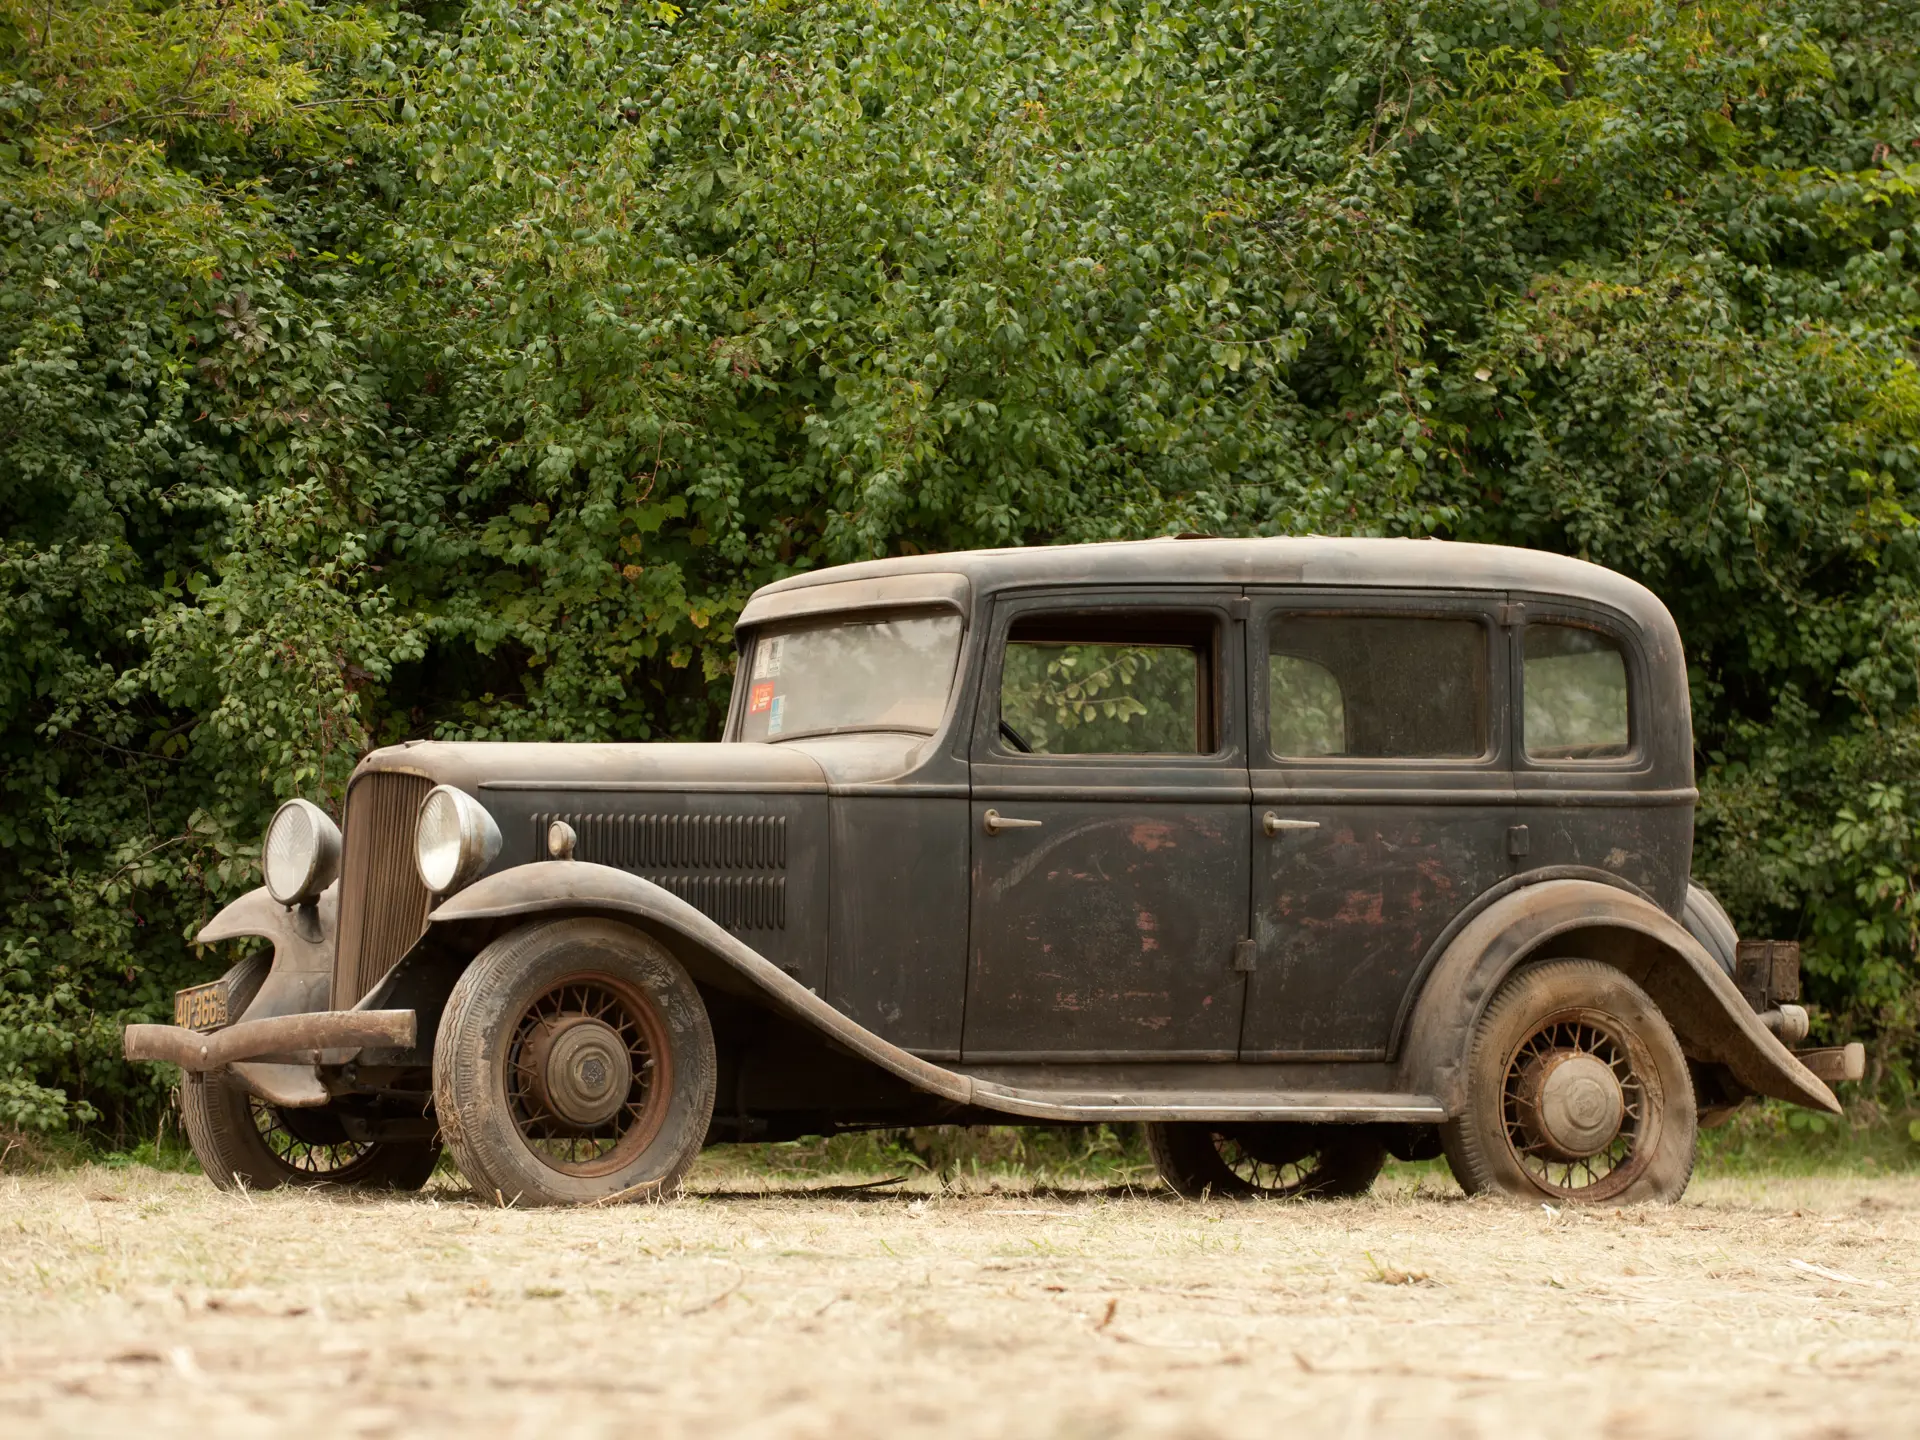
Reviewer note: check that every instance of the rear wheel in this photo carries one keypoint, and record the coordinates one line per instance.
(574, 1063)
(1273, 1161)
(1577, 1092)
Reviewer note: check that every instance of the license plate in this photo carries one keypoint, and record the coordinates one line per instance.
(202, 1007)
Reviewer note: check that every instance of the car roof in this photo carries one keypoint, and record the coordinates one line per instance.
(1306, 561)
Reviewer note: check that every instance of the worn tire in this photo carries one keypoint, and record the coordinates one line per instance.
(233, 1133)
(1307, 1161)
(1535, 1012)
(243, 1142)
(503, 1139)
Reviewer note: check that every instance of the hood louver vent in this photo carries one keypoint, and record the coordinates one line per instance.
(682, 853)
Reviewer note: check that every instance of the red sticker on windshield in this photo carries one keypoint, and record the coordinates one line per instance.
(760, 698)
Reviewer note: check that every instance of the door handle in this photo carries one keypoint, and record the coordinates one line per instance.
(1273, 824)
(996, 822)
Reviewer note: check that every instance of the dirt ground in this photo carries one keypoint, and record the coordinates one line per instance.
(135, 1302)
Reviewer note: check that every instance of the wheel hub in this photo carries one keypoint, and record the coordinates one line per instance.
(581, 1069)
(1572, 1104)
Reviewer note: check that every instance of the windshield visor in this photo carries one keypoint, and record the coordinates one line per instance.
(840, 676)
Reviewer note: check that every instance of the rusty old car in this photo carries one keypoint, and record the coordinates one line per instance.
(1303, 852)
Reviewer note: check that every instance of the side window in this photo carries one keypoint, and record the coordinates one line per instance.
(1097, 685)
(1576, 694)
(1377, 687)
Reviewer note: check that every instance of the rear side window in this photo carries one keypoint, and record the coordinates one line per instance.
(1576, 694)
(1096, 685)
(1408, 687)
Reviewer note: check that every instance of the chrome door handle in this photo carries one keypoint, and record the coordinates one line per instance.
(996, 822)
(1273, 824)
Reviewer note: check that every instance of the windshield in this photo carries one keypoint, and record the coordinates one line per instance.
(835, 676)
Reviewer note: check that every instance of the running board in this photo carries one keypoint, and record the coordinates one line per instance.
(1306, 1106)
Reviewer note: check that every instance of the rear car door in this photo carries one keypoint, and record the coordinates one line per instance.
(1380, 804)
(1109, 874)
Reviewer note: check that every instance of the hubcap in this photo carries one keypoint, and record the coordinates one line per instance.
(581, 1070)
(1572, 1104)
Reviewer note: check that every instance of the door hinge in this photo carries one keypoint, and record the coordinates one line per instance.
(1512, 612)
(1239, 607)
(1518, 842)
(1243, 954)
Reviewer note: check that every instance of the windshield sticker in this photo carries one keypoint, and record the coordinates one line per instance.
(772, 652)
(760, 698)
(778, 704)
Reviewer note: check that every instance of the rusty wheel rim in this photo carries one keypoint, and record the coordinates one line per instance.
(1587, 1035)
(587, 1150)
(303, 1155)
(1275, 1168)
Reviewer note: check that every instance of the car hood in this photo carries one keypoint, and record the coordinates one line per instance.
(495, 765)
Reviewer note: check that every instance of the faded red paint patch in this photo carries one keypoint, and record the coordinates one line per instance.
(1151, 835)
(1146, 923)
(1362, 907)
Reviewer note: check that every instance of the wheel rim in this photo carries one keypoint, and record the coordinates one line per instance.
(1274, 1160)
(306, 1142)
(588, 1074)
(1580, 1105)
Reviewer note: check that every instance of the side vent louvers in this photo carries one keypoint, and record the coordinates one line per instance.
(661, 847)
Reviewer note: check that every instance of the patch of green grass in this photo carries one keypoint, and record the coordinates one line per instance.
(1773, 1138)
(1107, 1154)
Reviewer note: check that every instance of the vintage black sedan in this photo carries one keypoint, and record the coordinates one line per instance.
(1303, 852)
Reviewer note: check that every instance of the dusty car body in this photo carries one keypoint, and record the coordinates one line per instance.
(1302, 851)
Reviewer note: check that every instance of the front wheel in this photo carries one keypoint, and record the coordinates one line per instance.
(245, 1143)
(1272, 1161)
(1577, 1092)
(574, 1063)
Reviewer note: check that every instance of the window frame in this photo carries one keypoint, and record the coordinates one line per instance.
(1559, 610)
(1479, 606)
(1217, 692)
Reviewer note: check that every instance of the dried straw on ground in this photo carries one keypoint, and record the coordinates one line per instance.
(133, 1302)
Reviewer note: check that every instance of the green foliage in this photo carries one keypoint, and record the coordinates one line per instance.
(370, 373)
(1102, 699)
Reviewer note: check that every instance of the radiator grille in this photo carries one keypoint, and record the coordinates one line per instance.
(656, 846)
(383, 904)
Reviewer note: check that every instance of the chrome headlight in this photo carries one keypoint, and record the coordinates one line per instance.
(453, 840)
(301, 856)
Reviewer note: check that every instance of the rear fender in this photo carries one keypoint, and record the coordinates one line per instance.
(1583, 918)
(712, 954)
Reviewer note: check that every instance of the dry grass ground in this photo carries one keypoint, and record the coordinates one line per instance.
(135, 1302)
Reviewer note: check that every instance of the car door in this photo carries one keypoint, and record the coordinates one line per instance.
(1109, 810)
(1381, 795)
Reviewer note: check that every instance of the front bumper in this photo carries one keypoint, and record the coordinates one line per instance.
(288, 1039)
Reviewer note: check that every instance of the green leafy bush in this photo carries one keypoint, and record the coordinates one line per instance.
(458, 370)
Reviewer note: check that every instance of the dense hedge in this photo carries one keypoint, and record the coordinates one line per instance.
(459, 370)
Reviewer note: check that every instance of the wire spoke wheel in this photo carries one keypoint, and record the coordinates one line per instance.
(307, 1142)
(1577, 1092)
(574, 1064)
(588, 1073)
(1266, 1160)
(1280, 1167)
(1590, 1059)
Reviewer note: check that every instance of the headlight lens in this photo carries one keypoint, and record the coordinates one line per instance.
(301, 856)
(454, 840)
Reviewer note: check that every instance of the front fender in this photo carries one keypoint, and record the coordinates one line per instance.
(1599, 922)
(299, 983)
(577, 887)
(303, 937)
